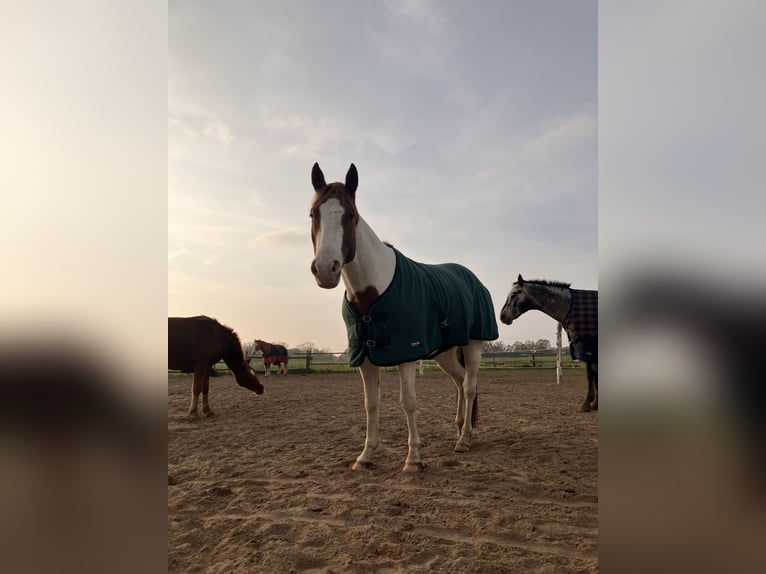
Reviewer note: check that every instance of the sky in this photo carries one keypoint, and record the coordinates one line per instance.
(473, 127)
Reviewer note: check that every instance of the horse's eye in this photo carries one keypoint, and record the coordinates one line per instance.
(348, 216)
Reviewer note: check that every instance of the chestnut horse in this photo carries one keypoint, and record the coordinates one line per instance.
(197, 343)
(398, 311)
(273, 354)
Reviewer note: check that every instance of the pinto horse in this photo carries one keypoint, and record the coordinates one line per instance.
(273, 354)
(398, 311)
(197, 343)
(576, 310)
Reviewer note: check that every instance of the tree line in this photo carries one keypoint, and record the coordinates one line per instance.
(528, 345)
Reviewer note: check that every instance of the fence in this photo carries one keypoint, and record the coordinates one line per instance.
(317, 362)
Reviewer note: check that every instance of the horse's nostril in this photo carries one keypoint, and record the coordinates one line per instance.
(314, 269)
(335, 266)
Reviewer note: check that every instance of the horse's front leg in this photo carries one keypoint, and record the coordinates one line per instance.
(594, 404)
(409, 404)
(591, 399)
(371, 380)
(472, 357)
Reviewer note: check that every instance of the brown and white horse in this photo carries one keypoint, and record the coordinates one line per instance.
(195, 344)
(273, 354)
(345, 247)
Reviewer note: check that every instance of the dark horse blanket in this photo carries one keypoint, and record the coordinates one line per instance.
(581, 325)
(425, 310)
(276, 354)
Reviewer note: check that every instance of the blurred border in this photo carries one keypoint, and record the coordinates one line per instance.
(83, 154)
(682, 268)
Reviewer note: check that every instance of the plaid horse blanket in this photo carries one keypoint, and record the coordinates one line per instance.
(581, 325)
(276, 354)
(425, 310)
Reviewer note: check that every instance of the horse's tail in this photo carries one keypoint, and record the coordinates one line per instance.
(475, 408)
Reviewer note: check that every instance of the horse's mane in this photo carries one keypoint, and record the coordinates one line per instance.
(234, 352)
(547, 283)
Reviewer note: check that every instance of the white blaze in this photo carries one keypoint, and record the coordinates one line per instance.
(330, 237)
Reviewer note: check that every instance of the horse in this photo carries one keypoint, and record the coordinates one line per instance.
(197, 343)
(575, 309)
(398, 311)
(273, 354)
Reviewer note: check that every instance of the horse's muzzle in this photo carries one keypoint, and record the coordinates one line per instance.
(505, 317)
(327, 276)
(257, 388)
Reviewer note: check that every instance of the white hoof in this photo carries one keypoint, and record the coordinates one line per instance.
(361, 465)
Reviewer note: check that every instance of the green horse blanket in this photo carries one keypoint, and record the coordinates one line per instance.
(425, 310)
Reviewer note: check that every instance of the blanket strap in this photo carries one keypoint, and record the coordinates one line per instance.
(381, 342)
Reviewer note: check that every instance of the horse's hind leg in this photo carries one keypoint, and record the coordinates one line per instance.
(472, 356)
(448, 362)
(196, 390)
(591, 400)
(371, 380)
(206, 410)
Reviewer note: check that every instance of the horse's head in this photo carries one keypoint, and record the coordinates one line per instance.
(249, 379)
(259, 345)
(246, 377)
(517, 303)
(333, 225)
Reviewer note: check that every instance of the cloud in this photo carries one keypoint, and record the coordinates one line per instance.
(562, 135)
(177, 125)
(281, 238)
(174, 253)
(219, 131)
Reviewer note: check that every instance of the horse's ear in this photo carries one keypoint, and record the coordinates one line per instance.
(520, 279)
(317, 178)
(352, 179)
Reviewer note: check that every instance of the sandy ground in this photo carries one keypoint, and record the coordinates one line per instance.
(266, 485)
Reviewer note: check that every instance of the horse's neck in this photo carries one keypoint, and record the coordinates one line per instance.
(553, 301)
(234, 358)
(373, 265)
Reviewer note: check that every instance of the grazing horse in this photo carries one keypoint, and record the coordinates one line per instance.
(197, 343)
(398, 311)
(575, 309)
(272, 354)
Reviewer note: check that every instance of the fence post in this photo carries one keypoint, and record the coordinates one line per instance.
(308, 360)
